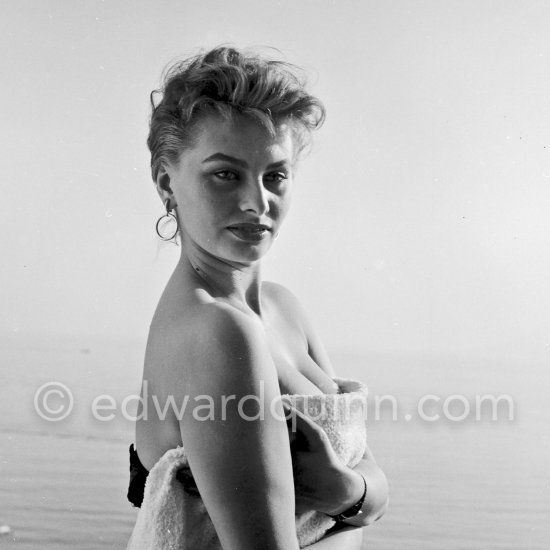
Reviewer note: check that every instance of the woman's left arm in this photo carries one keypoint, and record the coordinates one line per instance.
(324, 483)
(376, 498)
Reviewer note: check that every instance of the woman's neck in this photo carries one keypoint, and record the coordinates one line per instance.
(239, 284)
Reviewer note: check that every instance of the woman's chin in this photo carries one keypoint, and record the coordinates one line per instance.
(248, 253)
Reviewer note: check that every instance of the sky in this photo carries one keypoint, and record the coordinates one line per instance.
(420, 218)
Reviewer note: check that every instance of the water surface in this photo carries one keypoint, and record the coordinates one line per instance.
(465, 484)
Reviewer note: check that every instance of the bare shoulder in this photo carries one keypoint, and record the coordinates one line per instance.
(278, 290)
(284, 298)
(213, 348)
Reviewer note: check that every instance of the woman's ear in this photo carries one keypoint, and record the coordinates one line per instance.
(162, 182)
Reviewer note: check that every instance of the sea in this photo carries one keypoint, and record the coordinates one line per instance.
(464, 442)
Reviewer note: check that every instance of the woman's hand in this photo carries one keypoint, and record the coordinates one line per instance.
(323, 483)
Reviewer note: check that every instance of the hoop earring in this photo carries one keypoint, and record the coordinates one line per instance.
(165, 220)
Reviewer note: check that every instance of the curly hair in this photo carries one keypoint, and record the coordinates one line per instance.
(227, 82)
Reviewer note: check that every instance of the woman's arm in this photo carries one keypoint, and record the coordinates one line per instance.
(240, 460)
(348, 538)
(324, 483)
(376, 500)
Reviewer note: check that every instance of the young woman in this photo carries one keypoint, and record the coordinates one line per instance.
(225, 139)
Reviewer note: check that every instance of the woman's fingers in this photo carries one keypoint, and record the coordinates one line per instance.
(308, 433)
(318, 479)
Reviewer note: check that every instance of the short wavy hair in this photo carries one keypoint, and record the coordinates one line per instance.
(226, 81)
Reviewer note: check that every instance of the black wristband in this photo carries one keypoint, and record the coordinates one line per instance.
(355, 509)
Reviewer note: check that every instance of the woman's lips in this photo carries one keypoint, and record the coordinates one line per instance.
(249, 231)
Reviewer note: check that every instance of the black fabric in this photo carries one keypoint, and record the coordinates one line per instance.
(138, 477)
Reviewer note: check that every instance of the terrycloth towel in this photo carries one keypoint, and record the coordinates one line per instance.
(171, 518)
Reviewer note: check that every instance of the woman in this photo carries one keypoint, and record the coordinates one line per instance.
(224, 141)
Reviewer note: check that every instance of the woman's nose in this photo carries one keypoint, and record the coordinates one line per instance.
(254, 198)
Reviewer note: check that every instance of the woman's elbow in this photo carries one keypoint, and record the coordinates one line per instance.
(376, 504)
(375, 515)
(380, 501)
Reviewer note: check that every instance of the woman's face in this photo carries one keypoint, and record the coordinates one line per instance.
(232, 187)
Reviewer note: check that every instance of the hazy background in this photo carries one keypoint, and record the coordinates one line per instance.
(420, 220)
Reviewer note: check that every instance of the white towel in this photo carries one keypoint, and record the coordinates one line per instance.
(172, 519)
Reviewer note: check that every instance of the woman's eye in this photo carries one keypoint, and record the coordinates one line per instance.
(276, 177)
(226, 175)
